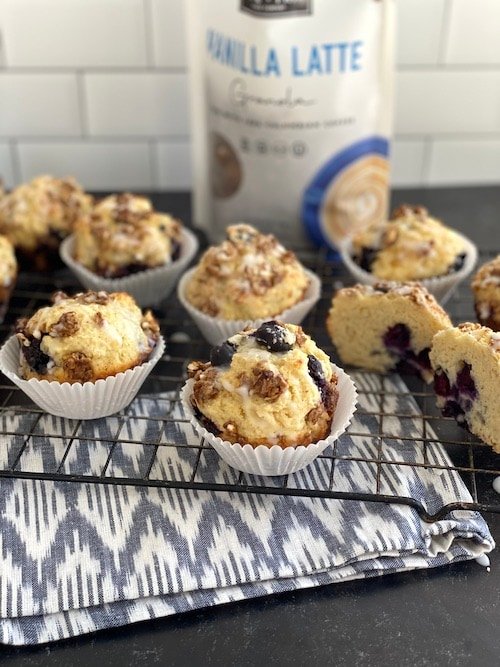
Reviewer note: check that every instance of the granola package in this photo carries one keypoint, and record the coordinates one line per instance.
(291, 104)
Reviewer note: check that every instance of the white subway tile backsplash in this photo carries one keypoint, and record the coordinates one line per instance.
(38, 105)
(174, 165)
(79, 33)
(6, 166)
(447, 101)
(84, 90)
(144, 104)
(465, 162)
(474, 32)
(419, 27)
(407, 162)
(169, 33)
(98, 166)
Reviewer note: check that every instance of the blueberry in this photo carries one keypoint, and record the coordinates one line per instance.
(35, 358)
(366, 259)
(452, 409)
(274, 337)
(465, 383)
(397, 338)
(328, 394)
(221, 355)
(206, 422)
(442, 385)
(458, 263)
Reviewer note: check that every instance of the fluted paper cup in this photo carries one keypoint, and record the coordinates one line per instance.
(216, 330)
(442, 287)
(148, 287)
(275, 460)
(90, 400)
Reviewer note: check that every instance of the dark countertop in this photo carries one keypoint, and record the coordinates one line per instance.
(446, 616)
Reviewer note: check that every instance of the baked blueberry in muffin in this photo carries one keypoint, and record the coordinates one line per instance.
(466, 365)
(387, 326)
(410, 246)
(8, 273)
(265, 386)
(249, 276)
(38, 215)
(486, 288)
(123, 234)
(85, 337)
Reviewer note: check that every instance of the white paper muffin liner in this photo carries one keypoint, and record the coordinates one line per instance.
(90, 400)
(442, 288)
(148, 287)
(216, 330)
(276, 460)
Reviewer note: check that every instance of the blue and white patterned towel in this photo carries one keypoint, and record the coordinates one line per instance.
(77, 558)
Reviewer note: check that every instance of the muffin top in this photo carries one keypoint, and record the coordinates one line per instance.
(410, 246)
(124, 234)
(248, 276)
(270, 385)
(486, 288)
(488, 277)
(485, 336)
(8, 262)
(392, 290)
(42, 211)
(85, 337)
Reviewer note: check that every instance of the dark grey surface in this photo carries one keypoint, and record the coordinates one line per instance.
(449, 616)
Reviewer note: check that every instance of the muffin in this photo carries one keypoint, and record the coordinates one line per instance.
(8, 273)
(387, 326)
(123, 235)
(410, 246)
(266, 386)
(486, 289)
(86, 337)
(466, 364)
(37, 215)
(250, 276)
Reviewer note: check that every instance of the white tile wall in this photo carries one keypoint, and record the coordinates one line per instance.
(146, 104)
(39, 104)
(99, 166)
(98, 88)
(74, 33)
(474, 32)
(420, 25)
(464, 161)
(433, 102)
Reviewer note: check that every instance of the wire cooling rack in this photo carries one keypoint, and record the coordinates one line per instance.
(21, 420)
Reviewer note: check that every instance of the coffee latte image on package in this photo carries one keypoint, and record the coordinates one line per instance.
(291, 104)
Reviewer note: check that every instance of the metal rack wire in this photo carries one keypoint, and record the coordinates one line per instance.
(21, 421)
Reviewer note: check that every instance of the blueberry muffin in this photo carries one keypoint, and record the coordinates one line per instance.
(486, 288)
(386, 326)
(8, 273)
(38, 215)
(266, 386)
(85, 337)
(410, 246)
(466, 364)
(249, 276)
(123, 235)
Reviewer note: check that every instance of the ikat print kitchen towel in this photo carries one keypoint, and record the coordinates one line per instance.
(75, 558)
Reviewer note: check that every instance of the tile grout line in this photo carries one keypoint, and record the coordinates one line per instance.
(444, 37)
(15, 160)
(82, 103)
(149, 33)
(154, 164)
(426, 160)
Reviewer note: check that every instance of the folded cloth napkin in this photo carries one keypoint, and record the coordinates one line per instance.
(75, 558)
